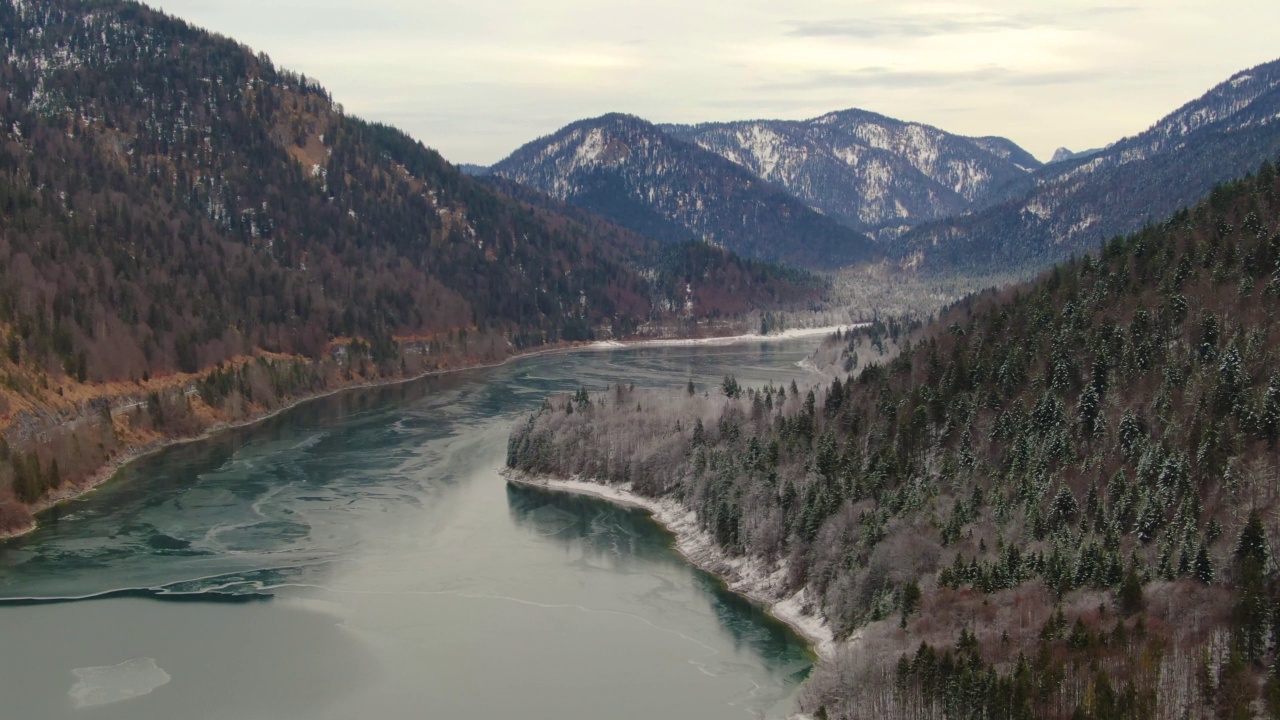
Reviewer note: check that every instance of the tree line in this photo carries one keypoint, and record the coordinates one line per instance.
(1079, 471)
(170, 200)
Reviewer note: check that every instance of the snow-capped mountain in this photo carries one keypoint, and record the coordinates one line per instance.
(871, 172)
(637, 175)
(1072, 205)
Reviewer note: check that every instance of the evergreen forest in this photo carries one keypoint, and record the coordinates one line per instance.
(1057, 499)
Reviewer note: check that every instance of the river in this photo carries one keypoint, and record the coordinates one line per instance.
(358, 556)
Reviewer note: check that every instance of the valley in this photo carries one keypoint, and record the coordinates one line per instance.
(828, 416)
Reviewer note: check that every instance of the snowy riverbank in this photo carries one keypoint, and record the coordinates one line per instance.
(747, 577)
(792, 334)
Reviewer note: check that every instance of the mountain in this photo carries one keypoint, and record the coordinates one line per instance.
(1058, 500)
(172, 200)
(635, 174)
(690, 278)
(1062, 154)
(1071, 206)
(871, 172)
(191, 236)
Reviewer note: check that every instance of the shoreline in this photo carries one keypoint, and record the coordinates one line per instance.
(792, 334)
(745, 576)
(111, 468)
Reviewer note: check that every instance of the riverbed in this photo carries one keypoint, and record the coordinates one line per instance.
(360, 556)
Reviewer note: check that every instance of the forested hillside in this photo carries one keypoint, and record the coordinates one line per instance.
(172, 206)
(172, 200)
(691, 279)
(1058, 500)
(1070, 207)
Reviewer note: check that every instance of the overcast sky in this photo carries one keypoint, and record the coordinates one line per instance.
(478, 78)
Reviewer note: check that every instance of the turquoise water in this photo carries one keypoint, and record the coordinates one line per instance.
(359, 556)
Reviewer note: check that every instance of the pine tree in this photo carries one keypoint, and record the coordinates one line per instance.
(1090, 411)
(910, 600)
(1204, 567)
(1271, 692)
(1270, 416)
(1250, 616)
(1129, 596)
(1252, 547)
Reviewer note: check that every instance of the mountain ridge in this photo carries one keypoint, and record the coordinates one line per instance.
(873, 172)
(1071, 206)
(630, 171)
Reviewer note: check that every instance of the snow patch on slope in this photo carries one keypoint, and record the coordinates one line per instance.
(590, 148)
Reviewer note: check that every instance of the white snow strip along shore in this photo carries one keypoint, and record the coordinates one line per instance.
(792, 334)
(745, 576)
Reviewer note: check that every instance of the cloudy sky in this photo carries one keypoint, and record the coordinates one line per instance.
(477, 78)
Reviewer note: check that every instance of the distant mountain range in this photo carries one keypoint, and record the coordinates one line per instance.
(871, 172)
(1069, 207)
(932, 200)
(737, 184)
(643, 178)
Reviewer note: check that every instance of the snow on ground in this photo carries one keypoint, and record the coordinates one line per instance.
(761, 582)
(807, 365)
(791, 334)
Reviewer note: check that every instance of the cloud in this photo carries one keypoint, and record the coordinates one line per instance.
(932, 25)
(477, 79)
(886, 77)
(917, 27)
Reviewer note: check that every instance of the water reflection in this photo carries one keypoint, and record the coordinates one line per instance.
(375, 522)
(622, 538)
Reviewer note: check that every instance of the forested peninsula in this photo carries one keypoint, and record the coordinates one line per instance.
(1057, 500)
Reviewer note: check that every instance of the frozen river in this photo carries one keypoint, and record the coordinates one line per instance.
(360, 557)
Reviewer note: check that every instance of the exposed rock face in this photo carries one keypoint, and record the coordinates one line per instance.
(871, 172)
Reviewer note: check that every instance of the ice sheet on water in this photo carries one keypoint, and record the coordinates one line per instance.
(113, 683)
(548, 520)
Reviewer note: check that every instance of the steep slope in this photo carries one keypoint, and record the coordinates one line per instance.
(190, 236)
(1057, 501)
(1071, 206)
(871, 172)
(634, 174)
(173, 200)
(689, 279)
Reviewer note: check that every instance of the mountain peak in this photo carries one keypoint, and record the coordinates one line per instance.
(638, 175)
(1061, 154)
(869, 171)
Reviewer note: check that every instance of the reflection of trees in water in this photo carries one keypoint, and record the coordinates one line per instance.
(626, 538)
(603, 532)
